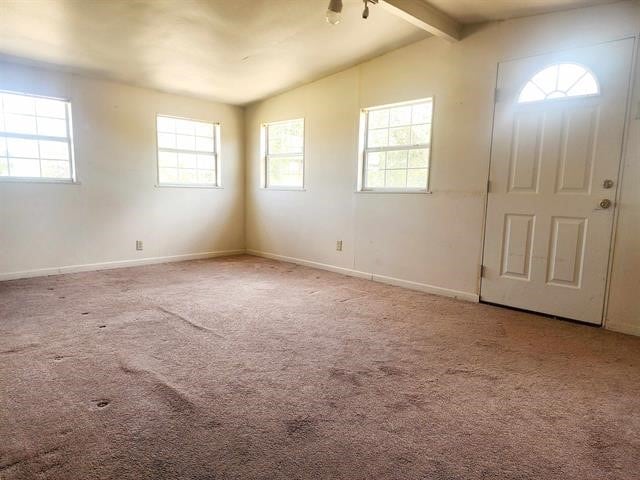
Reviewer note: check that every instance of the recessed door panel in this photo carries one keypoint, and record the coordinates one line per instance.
(567, 251)
(516, 255)
(526, 148)
(577, 151)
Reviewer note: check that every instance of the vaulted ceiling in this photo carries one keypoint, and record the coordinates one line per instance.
(234, 51)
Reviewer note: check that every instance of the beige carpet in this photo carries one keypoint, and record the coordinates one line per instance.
(245, 368)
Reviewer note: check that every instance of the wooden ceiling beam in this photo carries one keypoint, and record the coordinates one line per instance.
(425, 16)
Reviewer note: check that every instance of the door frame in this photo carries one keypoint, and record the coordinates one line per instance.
(623, 155)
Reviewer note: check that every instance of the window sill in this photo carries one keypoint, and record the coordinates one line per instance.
(284, 189)
(397, 191)
(38, 180)
(178, 185)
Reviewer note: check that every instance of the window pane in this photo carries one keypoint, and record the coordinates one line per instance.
(54, 150)
(378, 138)
(166, 124)
(400, 116)
(285, 171)
(3, 147)
(396, 179)
(23, 167)
(420, 134)
(286, 137)
(206, 176)
(168, 175)
(52, 127)
(19, 104)
(4, 167)
(379, 119)
(166, 140)
(167, 159)
(185, 142)
(374, 179)
(206, 161)
(419, 158)
(204, 129)
(204, 144)
(376, 160)
(185, 127)
(397, 159)
(187, 160)
(417, 178)
(559, 81)
(188, 176)
(46, 107)
(400, 136)
(21, 147)
(15, 123)
(55, 169)
(421, 113)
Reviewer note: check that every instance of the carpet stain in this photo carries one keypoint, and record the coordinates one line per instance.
(301, 426)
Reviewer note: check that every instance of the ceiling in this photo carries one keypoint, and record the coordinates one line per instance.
(234, 51)
(473, 11)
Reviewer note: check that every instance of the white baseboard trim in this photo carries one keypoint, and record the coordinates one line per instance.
(627, 328)
(89, 267)
(422, 287)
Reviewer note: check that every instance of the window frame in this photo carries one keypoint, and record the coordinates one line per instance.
(73, 178)
(217, 127)
(264, 155)
(363, 150)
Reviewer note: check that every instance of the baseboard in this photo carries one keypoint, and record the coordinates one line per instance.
(627, 328)
(422, 287)
(115, 264)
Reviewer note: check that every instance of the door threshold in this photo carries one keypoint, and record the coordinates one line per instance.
(546, 315)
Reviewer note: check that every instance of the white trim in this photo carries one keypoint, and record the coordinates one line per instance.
(89, 267)
(422, 287)
(627, 328)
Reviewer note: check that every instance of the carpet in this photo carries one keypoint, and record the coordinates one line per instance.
(247, 368)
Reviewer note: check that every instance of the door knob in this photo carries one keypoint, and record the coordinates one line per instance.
(605, 203)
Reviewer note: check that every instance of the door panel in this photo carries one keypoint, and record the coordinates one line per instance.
(547, 238)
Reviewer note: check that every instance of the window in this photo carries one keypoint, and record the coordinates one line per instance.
(560, 81)
(188, 152)
(35, 138)
(396, 145)
(283, 149)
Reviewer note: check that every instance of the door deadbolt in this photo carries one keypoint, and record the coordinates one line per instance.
(606, 203)
(607, 183)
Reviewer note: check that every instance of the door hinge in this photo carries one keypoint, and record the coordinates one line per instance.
(497, 94)
(483, 271)
(488, 186)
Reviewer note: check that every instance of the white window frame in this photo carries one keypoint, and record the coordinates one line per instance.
(264, 155)
(216, 146)
(363, 150)
(69, 140)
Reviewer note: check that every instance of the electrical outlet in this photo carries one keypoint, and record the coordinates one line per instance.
(139, 245)
(339, 245)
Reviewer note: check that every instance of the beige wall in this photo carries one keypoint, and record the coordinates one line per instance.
(434, 241)
(48, 226)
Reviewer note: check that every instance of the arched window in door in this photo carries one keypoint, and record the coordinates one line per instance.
(561, 80)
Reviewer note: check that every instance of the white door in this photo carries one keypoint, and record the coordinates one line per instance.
(557, 143)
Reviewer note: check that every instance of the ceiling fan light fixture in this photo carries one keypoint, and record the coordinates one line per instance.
(334, 12)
